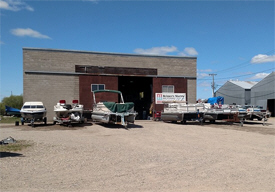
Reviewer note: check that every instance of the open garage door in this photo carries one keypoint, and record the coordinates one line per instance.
(271, 106)
(139, 91)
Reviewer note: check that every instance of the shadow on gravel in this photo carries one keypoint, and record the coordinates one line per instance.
(113, 126)
(248, 126)
(51, 127)
(265, 130)
(9, 154)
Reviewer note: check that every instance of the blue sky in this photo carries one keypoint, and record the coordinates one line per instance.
(233, 39)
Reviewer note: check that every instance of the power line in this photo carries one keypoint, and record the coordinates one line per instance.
(238, 66)
(244, 63)
(232, 77)
(248, 74)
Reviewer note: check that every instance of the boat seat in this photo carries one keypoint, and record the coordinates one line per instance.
(67, 106)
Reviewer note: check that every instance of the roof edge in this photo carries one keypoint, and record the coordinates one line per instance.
(105, 53)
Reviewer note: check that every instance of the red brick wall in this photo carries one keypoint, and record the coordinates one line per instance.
(111, 82)
(180, 86)
(85, 94)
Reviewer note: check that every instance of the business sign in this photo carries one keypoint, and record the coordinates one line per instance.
(170, 97)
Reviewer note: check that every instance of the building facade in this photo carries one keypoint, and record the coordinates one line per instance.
(236, 92)
(263, 93)
(250, 93)
(50, 75)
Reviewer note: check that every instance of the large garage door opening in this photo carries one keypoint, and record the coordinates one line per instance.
(271, 106)
(139, 91)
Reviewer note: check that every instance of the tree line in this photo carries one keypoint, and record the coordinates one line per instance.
(15, 101)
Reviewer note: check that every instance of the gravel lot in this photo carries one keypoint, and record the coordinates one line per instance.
(150, 156)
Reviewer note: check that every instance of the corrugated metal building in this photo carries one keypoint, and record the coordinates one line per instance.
(236, 92)
(263, 93)
(250, 93)
(50, 75)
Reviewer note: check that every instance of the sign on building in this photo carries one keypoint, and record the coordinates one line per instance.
(161, 98)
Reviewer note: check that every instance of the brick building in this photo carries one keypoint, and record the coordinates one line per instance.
(50, 75)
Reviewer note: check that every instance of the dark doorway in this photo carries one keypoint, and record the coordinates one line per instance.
(139, 91)
(271, 106)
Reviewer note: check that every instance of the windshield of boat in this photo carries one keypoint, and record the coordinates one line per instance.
(32, 106)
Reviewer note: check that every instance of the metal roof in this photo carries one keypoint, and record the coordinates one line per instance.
(244, 84)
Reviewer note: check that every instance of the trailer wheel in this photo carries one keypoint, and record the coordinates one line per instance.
(212, 121)
(45, 121)
(201, 121)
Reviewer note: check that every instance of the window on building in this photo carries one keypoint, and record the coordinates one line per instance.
(167, 88)
(97, 87)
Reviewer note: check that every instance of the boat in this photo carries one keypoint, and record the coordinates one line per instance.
(181, 111)
(254, 112)
(12, 111)
(62, 109)
(68, 113)
(33, 111)
(201, 112)
(113, 112)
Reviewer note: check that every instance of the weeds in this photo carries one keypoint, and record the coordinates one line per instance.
(8, 119)
(18, 146)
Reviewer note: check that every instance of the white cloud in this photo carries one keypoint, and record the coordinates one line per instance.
(204, 84)
(157, 50)
(263, 58)
(4, 5)
(164, 50)
(14, 5)
(260, 76)
(202, 75)
(204, 70)
(94, 1)
(189, 51)
(28, 32)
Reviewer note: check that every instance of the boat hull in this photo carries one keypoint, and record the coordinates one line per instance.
(33, 115)
(12, 111)
(114, 118)
(61, 113)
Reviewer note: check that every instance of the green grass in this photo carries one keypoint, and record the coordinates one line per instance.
(8, 119)
(18, 146)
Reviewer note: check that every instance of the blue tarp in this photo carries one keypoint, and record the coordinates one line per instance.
(218, 100)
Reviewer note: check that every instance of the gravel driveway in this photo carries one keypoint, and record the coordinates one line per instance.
(150, 156)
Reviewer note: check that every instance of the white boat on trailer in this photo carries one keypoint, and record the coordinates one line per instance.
(112, 112)
(33, 111)
(68, 113)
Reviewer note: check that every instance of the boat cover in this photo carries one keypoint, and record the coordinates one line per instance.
(119, 107)
(218, 100)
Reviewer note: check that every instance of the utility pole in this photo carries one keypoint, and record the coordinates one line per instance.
(213, 84)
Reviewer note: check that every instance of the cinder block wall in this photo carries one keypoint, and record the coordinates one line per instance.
(65, 61)
(50, 88)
